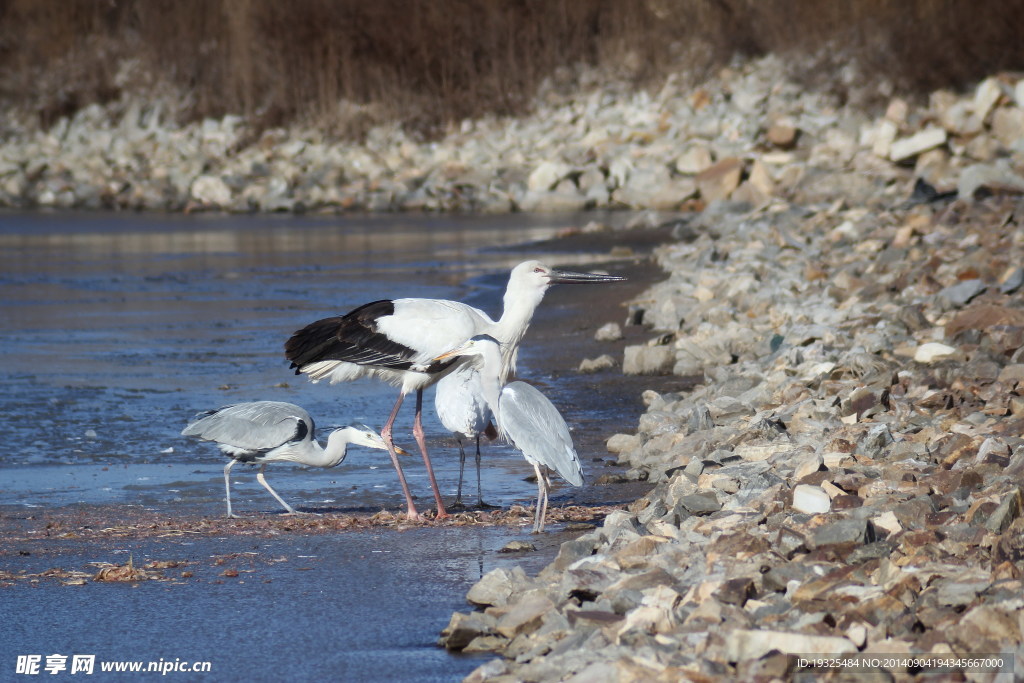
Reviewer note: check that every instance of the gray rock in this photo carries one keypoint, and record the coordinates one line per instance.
(842, 532)
(647, 360)
(700, 503)
(494, 588)
(608, 332)
(1009, 509)
(463, 628)
(1013, 281)
(962, 292)
(602, 362)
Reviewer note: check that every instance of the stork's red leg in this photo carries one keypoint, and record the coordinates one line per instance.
(385, 433)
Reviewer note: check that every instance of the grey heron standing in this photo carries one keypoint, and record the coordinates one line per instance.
(398, 341)
(526, 419)
(274, 431)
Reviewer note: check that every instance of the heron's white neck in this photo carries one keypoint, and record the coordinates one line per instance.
(333, 455)
(519, 307)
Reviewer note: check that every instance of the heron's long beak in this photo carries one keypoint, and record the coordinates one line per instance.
(568, 277)
(375, 440)
(458, 351)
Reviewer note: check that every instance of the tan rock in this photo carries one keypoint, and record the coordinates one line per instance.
(907, 148)
(744, 644)
(782, 135)
(719, 180)
(525, 615)
(986, 96)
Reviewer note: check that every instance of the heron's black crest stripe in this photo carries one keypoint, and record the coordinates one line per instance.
(352, 337)
(302, 429)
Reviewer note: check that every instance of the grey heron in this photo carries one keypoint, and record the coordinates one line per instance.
(397, 340)
(526, 419)
(273, 431)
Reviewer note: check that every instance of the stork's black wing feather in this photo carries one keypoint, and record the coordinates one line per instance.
(352, 337)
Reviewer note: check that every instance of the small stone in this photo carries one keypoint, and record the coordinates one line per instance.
(463, 628)
(933, 352)
(846, 502)
(1008, 126)
(807, 465)
(608, 332)
(735, 591)
(546, 175)
(888, 522)
(695, 159)
(210, 191)
(1013, 281)
(962, 292)
(602, 362)
(742, 644)
(517, 547)
(986, 96)
(906, 149)
(811, 499)
(719, 181)
(781, 135)
(648, 360)
(1009, 509)
(623, 443)
(842, 532)
(858, 634)
(992, 622)
(525, 615)
(998, 176)
(494, 588)
(700, 503)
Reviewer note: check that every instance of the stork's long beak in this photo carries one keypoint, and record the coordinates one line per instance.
(568, 277)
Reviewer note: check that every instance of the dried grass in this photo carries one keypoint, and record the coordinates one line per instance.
(428, 64)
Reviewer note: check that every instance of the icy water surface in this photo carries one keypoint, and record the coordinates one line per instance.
(118, 328)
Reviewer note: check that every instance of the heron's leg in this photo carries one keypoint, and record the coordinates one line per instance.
(263, 480)
(547, 488)
(227, 486)
(462, 469)
(538, 524)
(417, 431)
(479, 488)
(385, 433)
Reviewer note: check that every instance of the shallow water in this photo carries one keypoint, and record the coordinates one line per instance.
(118, 328)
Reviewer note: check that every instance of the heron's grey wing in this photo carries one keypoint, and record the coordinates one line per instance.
(459, 402)
(258, 426)
(534, 426)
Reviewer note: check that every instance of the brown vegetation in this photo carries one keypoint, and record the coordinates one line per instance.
(427, 63)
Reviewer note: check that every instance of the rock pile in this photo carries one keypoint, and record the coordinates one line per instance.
(848, 477)
(748, 135)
